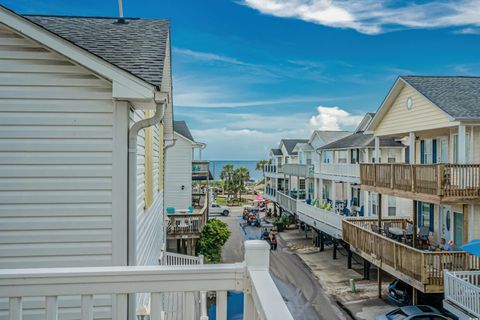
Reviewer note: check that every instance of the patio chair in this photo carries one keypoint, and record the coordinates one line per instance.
(375, 228)
(386, 227)
(423, 235)
(170, 210)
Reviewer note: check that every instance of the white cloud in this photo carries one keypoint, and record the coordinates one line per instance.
(374, 16)
(207, 56)
(469, 30)
(334, 118)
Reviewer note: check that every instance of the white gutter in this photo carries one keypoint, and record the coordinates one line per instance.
(132, 179)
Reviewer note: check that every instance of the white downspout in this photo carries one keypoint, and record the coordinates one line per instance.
(132, 179)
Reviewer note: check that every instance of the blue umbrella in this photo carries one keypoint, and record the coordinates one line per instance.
(473, 247)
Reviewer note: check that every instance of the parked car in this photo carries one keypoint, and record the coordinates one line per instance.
(215, 208)
(413, 313)
(400, 293)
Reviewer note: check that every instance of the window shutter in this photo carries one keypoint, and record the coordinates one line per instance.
(422, 151)
(434, 151)
(419, 213)
(432, 215)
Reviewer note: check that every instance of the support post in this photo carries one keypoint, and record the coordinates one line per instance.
(411, 147)
(414, 296)
(415, 223)
(221, 310)
(366, 270)
(462, 144)
(379, 280)
(379, 213)
(349, 257)
(377, 149)
(322, 242)
(335, 246)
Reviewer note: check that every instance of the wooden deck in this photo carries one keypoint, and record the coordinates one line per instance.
(424, 270)
(435, 183)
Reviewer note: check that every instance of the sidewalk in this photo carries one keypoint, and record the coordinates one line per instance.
(334, 276)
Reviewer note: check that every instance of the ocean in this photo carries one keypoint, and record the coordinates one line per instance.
(216, 167)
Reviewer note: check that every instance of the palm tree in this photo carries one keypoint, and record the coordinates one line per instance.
(261, 167)
(242, 174)
(227, 176)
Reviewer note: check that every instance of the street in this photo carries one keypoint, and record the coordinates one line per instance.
(298, 286)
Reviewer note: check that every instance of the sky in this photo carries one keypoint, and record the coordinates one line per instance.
(247, 73)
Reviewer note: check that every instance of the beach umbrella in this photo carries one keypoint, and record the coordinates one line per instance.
(259, 197)
(473, 247)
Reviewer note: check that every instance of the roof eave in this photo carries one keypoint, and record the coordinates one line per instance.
(126, 86)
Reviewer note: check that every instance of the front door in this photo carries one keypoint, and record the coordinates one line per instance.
(458, 228)
(443, 150)
(447, 222)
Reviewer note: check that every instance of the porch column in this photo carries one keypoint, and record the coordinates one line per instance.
(377, 149)
(334, 195)
(315, 189)
(462, 144)
(298, 187)
(320, 185)
(411, 148)
(349, 195)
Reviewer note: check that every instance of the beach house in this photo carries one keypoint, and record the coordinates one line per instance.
(86, 115)
(437, 118)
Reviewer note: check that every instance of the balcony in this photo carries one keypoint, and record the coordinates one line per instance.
(270, 193)
(104, 292)
(424, 270)
(200, 170)
(287, 203)
(434, 183)
(299, 170)
(462, 294)
(273, 171)
(349, 172)
(182, 225)
(321, 219)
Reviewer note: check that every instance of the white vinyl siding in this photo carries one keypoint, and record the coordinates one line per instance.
(57, 127)
(178, 173)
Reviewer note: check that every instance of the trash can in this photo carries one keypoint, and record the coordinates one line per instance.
(280, 226)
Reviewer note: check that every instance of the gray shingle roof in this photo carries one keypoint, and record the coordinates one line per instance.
(138, 46)
(360, 140)
(277, 152)
(459, 97)
(291, 143)
(331, 136)
(181, 128)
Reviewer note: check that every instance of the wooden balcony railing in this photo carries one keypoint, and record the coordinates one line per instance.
(421, 269)
(439, 180)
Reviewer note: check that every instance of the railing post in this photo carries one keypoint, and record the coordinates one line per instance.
(257, 257)
(440, 179)
(392, 173)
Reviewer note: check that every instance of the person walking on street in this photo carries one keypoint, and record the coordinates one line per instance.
(273, 242)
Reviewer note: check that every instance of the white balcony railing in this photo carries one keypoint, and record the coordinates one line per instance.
(348, 170)
(274, 169)
(262, 300)
(299, 170)
(321, 219)
(286, 202)
(462, 291)
(270, 193)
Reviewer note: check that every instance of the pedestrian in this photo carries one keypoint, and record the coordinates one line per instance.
(273, 243)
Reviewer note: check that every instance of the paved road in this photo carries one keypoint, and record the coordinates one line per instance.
(299, 288)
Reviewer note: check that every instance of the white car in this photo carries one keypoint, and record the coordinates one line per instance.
(216, 208)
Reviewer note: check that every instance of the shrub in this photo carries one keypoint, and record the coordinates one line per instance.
(214, 235)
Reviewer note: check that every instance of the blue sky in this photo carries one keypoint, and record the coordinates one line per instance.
(249, 72)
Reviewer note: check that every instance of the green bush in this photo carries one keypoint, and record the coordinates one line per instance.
(214, 235)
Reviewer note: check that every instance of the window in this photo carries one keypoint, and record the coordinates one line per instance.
(391, 160)
(425, 214)
(354, 156)
(342, 156)
(356, 197)
(392, 206)
(428, 151)
(455, 147)
(302, 184)
(373, 201)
